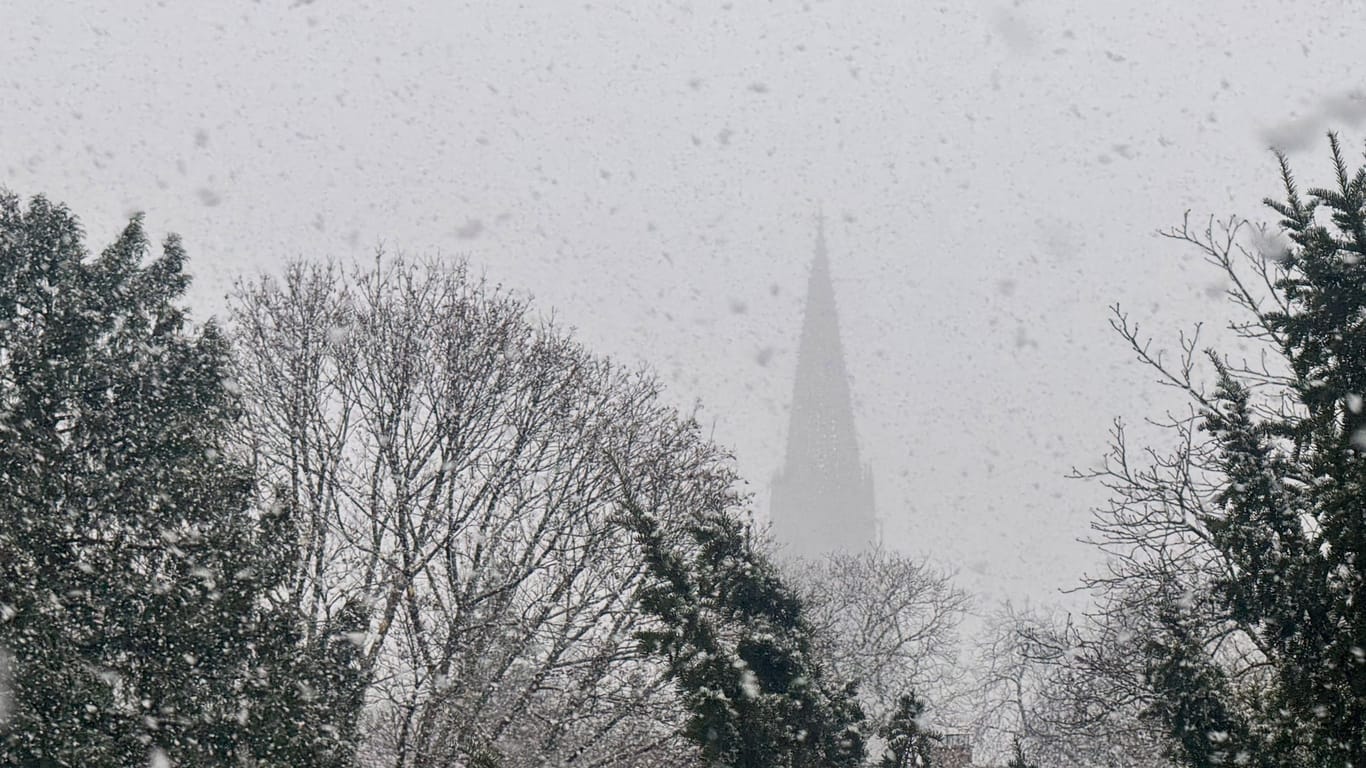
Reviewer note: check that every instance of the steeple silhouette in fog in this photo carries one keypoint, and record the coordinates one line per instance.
(823, 496)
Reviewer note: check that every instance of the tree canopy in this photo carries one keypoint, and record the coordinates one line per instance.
(136, 575)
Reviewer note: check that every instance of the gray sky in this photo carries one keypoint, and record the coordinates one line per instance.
(993, 175)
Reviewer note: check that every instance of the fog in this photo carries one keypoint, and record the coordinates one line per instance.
(992, 178)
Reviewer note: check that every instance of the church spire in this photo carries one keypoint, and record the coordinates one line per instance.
(823, 497)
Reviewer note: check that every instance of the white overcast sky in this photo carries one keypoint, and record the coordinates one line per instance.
(993, 175)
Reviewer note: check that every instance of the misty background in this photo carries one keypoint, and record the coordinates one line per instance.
(992, 176)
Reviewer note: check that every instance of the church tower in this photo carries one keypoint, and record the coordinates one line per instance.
(823, 497)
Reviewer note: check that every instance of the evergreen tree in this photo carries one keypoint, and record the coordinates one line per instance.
(738, 647)
(1288, 454)
(908, 743)
(135, 575)
(1192, 695)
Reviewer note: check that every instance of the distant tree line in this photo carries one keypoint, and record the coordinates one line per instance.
(385, 516)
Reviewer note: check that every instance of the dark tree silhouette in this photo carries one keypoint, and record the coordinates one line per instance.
(1247, 540)
(136, 577)
(739, 648)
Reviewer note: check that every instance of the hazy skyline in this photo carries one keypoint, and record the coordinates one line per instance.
(992, 175)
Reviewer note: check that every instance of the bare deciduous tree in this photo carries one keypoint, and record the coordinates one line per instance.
(1079, 692)
(446, 459)
(887, 622)
(1068, 698)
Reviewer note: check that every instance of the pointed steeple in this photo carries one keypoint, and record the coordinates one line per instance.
(823, 497)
